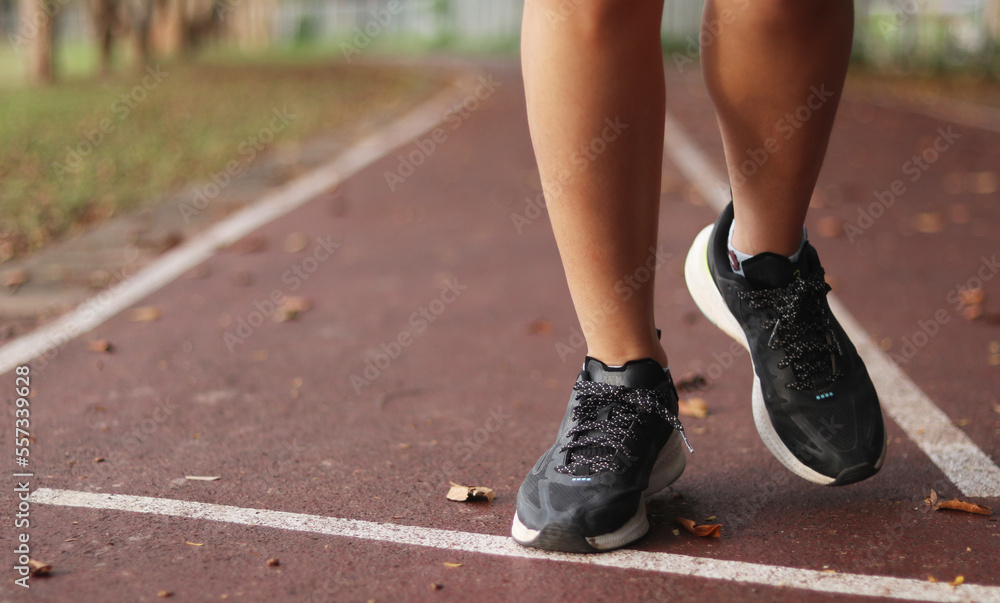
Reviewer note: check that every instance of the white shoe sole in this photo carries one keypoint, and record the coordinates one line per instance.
(668, 467)
(711, 303)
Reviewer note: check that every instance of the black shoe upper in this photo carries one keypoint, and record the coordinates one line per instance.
(817, 391)
(616, 423)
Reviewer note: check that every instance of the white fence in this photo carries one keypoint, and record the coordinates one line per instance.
(889, 32)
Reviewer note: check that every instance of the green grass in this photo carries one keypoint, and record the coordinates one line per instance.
(53, 182)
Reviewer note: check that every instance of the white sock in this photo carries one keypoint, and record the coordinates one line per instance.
(737, 257)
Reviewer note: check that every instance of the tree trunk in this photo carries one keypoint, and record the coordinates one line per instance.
(104, 15)
(35, 40)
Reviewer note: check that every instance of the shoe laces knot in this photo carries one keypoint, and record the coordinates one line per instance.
(596, 443)
(801, 323)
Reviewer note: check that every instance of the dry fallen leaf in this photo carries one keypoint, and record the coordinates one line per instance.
(829, 227)
(693, 407)
(973, 301)
(955, 504)
(958, 580)
(460, 493)
(959, 213)
(146, 314)
(163, 594)
(984, 183)
(449, 564)
(15, 278)
(928, 222)
(539, 327)
(296, 242)
(705, 531)
(273, 562)
(99, 345)
(691, 381)
(39, 568)
(99, 459)
(202, 478)
(291, 307)
(436, 586)
(247, 244)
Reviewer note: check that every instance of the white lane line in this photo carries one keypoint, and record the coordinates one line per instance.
(503, 546)
(958, 457)
(173, 264)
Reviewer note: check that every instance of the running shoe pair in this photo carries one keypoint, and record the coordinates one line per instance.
(620, 440)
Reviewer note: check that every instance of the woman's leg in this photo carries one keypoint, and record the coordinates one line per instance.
(593, 76)
(771, 64)
(775, 72)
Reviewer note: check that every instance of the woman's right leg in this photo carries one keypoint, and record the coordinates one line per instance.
(593, 76)
(595, 90)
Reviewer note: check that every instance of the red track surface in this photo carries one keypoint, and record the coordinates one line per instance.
(478, 393)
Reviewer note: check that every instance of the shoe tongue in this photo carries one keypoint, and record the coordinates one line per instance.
(770, 271)
(646, 373)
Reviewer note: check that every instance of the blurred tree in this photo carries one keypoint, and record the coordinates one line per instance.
(36, 40)
(180, 26)
(104, 14)
(137, 16)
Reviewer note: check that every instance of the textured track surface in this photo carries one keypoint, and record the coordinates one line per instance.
(459, 262)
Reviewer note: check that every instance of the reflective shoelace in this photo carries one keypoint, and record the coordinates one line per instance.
(604, 439)
(801, 324)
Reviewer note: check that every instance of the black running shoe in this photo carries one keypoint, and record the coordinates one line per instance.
(619, 441)
(813, 402)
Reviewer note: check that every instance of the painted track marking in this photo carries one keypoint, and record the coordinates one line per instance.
(948, 447)
(96, 310)
(503, 546)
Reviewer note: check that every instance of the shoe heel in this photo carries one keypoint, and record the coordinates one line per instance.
(705, 292)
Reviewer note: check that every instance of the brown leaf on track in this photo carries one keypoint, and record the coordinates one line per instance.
(958, 580)
(248, 244)
(291, 307)
(460, 493)
(295, 242)
(955, 504)
(704, 531)
(928, 222)
(146, 314)
(273, 562)
(984, 183)
(15, 278)
(692, 407)
(435, 586)
(829, 227)
(973, 301)
(99, 345)
(202, 478)
(163, 594)
(39, 568)
(450, 564)
(539, 327)
(691, 381)
(959, 213)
